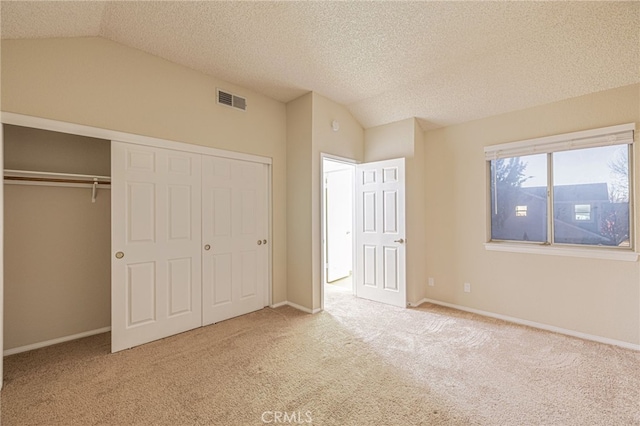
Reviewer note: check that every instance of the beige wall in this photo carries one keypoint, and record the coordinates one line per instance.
(393, 140)
(96, 82)
(57, 277)
(309, 134)
(598, 297)
(406, 139)
(347, 142)
(41, 150)
(299, 137)
(1, 263)
(416, 225)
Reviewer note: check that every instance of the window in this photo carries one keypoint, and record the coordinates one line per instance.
(582, 212)
(572, 189)
(521, 211)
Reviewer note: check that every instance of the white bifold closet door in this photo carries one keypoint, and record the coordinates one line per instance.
(234, 234)
(156, 241)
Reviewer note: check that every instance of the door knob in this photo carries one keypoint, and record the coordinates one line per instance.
(207, 247)
(264, 241)
(259, 242)
(119, 255)
(401, 241)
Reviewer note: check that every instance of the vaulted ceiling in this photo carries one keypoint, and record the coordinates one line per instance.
(441, 62)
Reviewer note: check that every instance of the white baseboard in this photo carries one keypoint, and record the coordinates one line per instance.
(55, 341)
(534, 324)
(296, 306)
(300, 307)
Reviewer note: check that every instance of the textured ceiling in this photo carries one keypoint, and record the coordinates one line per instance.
(441, 62)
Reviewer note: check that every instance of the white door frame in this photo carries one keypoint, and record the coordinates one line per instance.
(323, 260)
(96, 132)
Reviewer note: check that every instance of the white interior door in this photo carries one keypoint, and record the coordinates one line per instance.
(234, 234)
(156, 231)
(380, 232)
(339, 223)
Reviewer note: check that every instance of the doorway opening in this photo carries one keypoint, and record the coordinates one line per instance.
(338, 225)
(363, 229)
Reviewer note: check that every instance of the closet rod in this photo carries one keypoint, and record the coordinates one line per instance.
(56, 180)
(54, 177)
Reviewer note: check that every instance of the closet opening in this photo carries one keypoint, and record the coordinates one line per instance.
(338, 225)
(57, 237)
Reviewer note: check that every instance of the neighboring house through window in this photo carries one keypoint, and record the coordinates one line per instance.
(521, 211)
(567, 189)
(582, 212)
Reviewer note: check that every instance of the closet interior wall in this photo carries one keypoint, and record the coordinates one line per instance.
(57, 270)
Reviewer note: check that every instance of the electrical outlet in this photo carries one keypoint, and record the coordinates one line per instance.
(432, 282)
(467, 287)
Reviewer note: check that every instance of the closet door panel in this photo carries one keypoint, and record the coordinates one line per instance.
(249, 271)
(156, 227)
(180, 285)
(234, 225)
(141, 222)
(220, 276)
(141, 288)
(180, 204)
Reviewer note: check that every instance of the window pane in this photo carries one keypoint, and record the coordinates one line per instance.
(591, 196)
(519, 198)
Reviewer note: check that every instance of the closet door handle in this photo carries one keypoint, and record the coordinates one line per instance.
(264, 241)
(119, 255)
(207, 247)
(259, 242)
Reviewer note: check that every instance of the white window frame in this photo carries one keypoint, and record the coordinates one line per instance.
(606, 136)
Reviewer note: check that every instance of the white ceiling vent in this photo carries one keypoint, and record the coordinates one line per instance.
(234, 101)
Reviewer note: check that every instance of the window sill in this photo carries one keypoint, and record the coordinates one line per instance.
(612, 254)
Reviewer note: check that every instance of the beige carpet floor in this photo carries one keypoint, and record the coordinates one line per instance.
(357, 363)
